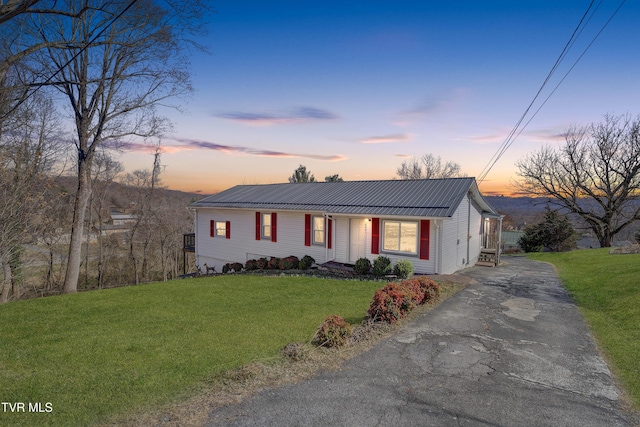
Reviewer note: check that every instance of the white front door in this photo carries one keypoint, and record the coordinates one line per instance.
(357, 238)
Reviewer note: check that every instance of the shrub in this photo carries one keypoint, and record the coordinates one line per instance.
(636, 236)
(294, 351)
(431, 289)
(237, 267)
(391, 303)
(262, 263)
(274, 263)
(306, 262)
(362, 267)
(333, 332)
(226, 268)
(251, 265)
(289, 263)
(403, 269)
(416, 289)
(381, 266)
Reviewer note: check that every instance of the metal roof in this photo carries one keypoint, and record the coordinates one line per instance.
(421, 198)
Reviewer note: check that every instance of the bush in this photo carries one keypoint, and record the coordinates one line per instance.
(362, 267)
(274, 263)
(251, 265)
(403, 269)
(636, 236)
(289, 263)
(414, 286)
(431, 289)
(294, 351)
(391, 303)
(333, 332)
(237, 267)
(306, 262)
(381, 266)
(262, 263)
(226, 268)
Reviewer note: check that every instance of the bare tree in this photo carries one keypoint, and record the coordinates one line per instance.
(105, 170)
(119, 61)
(595, 174)
(27, 153)
(428, 167)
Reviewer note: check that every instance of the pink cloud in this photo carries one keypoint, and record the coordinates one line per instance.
(189, 144)
(399, 137)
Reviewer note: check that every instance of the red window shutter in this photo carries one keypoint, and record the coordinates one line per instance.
(228, 227)
(274, 226)
(258, 221)
(307, 230)
(425, 229)
(329, 234)
(212, 228)
(375, 235)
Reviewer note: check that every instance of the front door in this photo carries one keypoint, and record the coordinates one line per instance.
(356, 239)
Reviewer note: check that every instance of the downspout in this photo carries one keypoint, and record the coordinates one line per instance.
(436, 267)
(468, 226)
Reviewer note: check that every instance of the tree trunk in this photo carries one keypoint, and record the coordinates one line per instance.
(77, 226)
(6, 283)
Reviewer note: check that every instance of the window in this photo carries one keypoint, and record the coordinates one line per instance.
(221, 229)
(266, 226)
(400, 236)
(318, 230)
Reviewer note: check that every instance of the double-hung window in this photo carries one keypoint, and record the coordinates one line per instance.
(266, 226)
(400, 236)
(221, 229)
(318, 230)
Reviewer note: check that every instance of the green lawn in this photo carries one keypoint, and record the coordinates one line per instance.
(97, 354)
(607, 290)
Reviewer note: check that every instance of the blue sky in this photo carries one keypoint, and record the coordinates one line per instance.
(356, 87)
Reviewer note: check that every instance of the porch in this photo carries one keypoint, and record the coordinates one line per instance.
(490, 250)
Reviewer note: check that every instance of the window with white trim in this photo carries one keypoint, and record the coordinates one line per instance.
(266, 225)
(400, 236)
(318, 230)
(221, 229)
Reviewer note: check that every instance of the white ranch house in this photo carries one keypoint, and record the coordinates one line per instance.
(440, 225)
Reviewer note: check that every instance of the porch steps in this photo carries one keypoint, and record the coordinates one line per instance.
(487, 258)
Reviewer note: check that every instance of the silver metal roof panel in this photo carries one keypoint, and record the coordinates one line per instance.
(420, 198)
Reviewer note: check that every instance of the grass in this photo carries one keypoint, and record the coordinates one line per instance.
(607, 290)
(98, 354)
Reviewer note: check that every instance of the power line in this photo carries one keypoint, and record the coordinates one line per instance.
(514, 132)
(62, 67)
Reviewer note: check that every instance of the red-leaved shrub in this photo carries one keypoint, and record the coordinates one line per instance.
(274, 263)
(333, 332)
(391, 303)
(289, 263)
(414, 286)
(431, 289)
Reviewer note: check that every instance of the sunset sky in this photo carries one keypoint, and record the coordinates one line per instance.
(356, 87)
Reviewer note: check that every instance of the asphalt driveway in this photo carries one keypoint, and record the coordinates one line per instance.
(509, 350)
